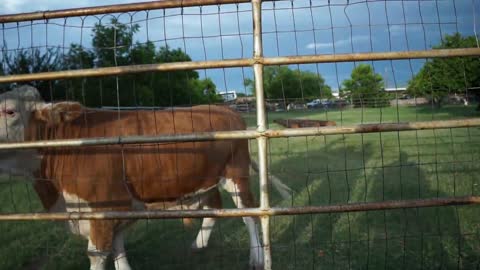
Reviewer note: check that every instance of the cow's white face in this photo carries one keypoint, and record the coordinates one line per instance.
(16, 108)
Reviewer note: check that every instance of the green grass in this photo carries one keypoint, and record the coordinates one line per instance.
(321, 171)
(374, 115)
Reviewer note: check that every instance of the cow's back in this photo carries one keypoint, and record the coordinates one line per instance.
(153, 172)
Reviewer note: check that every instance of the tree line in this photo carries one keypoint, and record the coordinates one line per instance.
(113, 45)
(442, 76)
(365, 88)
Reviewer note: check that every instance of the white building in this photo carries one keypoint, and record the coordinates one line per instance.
(229, 95)
(395, 89)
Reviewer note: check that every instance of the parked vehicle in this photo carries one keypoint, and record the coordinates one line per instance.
(319, 103)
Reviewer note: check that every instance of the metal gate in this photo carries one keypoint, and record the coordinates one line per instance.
(262, 134)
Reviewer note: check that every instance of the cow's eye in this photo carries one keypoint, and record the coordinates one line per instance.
(10, 112)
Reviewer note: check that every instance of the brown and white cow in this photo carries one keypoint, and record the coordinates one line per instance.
(117, 178)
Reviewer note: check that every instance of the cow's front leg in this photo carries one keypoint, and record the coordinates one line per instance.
(213, 201)
(98, 258)
(204, 234)
(100, 242)
(119, 254)
(242, 197)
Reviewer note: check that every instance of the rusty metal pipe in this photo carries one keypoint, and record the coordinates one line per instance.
(107, 9)
(376, 56)
(247, 134)
(243, 212)
(124, 70)
(133, 69)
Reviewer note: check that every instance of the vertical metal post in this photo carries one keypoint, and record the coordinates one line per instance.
(261, 127)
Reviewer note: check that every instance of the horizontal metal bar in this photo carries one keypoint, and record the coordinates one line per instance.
(107, 9)
(248, 134)
(190, 137)
(376, 56)
(123, 70)
(373, 128)
(275, 211)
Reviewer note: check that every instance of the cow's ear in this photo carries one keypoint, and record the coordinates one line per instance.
(56, 113)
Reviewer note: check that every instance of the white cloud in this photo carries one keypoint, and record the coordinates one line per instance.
(338, 43)
(12, 6)
(317, 45)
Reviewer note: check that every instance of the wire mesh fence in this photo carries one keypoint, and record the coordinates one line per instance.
(370, 118)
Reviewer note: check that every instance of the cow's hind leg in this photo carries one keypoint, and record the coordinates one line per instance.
(239, 189)
(213, 201)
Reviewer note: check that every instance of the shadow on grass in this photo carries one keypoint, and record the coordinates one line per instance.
(422, 238)
(332, 172)
(321, 173)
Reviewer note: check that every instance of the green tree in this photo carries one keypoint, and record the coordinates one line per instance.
(284, 83)
(34, 61)
(441, 76)
(364, 88)
(81, 89)
(113, 45)
(175, 86)
(204, 91)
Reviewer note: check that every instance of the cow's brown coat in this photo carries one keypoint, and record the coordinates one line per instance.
(109, 177)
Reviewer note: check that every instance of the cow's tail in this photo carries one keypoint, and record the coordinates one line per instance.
(279, 186)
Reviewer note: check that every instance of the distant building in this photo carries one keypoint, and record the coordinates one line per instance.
(228, 96)
(395, 89)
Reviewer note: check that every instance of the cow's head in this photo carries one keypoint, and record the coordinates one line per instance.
(20, 105)
(18, 109)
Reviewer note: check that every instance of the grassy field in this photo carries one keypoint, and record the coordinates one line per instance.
(321, 171)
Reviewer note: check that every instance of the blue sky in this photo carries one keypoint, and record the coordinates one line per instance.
(290, 28)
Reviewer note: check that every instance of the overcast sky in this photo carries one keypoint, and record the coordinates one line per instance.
(290, 28)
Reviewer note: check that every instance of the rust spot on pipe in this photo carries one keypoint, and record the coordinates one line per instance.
(301, 123)
(370, 128)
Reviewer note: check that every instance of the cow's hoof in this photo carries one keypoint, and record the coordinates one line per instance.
(197, 249)
(256, 267)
